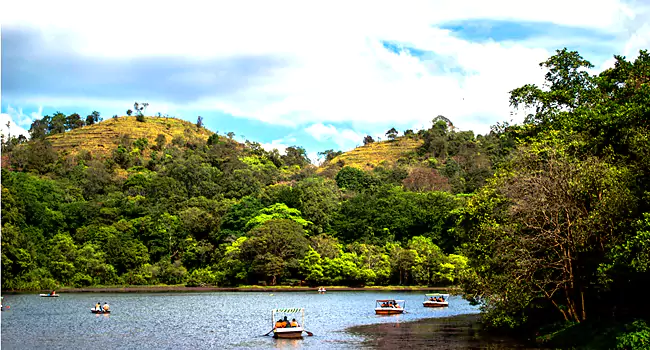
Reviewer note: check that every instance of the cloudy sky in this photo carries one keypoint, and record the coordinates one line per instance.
(316, 74)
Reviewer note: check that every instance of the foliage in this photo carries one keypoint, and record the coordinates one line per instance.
(543, 223)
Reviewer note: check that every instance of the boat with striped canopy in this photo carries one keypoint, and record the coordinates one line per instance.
(283, 328)
(435, 300)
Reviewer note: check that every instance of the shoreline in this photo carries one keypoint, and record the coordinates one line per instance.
(163, 289)
(454, 332)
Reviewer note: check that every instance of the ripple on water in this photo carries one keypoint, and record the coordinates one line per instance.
(234, 320)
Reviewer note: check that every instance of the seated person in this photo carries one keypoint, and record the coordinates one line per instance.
(278, 324)
(294, 323)
(106, 307)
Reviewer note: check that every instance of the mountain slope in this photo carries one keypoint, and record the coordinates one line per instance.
(102, 138)
(371, 155)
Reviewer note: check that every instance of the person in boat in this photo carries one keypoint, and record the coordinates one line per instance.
(278, 324)
(53, 292)
(285, 321)
(396, 305)
(106, 308)
(98, 306)
(294, 323)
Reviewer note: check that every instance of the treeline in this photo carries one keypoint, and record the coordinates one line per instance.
(540, 222)
(217, 212)
(562, 231)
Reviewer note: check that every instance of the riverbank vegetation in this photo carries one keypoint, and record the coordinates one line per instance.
(542, 222)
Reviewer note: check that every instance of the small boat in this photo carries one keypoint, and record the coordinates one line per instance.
(100, 311)
(389, 306)
(322, 290)
(288, 332)
(49, 295)
(436, 300)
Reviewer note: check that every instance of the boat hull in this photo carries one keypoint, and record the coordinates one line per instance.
(388, 311)
(99, 311)
(435, 304)
(288, 333)
(49, 296)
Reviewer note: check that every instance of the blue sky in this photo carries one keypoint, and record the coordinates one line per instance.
(322, 79)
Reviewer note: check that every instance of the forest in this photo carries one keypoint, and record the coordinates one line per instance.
(545, 224)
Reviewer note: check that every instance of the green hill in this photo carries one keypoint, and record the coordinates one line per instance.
(370, 156)
(102, 138)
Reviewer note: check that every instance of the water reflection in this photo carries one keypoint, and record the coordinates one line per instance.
(288, 343)
(200, 320)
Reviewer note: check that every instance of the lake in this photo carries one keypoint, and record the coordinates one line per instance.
(231, 320)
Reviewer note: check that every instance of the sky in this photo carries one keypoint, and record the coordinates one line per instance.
(320, 75)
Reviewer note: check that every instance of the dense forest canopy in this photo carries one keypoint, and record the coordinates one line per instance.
(542, 221)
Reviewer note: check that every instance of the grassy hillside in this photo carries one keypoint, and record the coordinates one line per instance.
(102, 138)
(370, 156)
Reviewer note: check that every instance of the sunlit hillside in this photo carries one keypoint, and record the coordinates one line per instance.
(102, 138)
(371, 155)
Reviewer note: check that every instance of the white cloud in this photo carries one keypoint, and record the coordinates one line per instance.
(336, 67)
(14, 129)
(22, 119)
(280, 144)
(345, 139)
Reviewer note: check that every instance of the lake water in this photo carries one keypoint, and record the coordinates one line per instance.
(224, 320)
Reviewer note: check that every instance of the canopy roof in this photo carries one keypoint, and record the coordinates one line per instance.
(287, 310)
(437, 295)
(384, 300)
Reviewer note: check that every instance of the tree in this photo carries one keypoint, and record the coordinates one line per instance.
(329, 154)
(541, 230)
(275, 212)
(368, 140)
(161, 140)
(295, 155)
(353, 179)
(568, 85)
(39, 128)
(140, 108)
(426, 179)
(392, 134)
(93, 118)
(275, 248)
(73, 121)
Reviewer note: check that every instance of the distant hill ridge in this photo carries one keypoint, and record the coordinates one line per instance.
(102, 138)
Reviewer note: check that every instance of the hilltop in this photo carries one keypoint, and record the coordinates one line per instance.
(368, 157)
(102, 138)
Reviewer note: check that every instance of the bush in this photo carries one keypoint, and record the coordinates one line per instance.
(637, 336)
(201, 277)
(81, 280)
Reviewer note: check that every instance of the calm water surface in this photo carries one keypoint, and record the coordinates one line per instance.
(224, 320)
